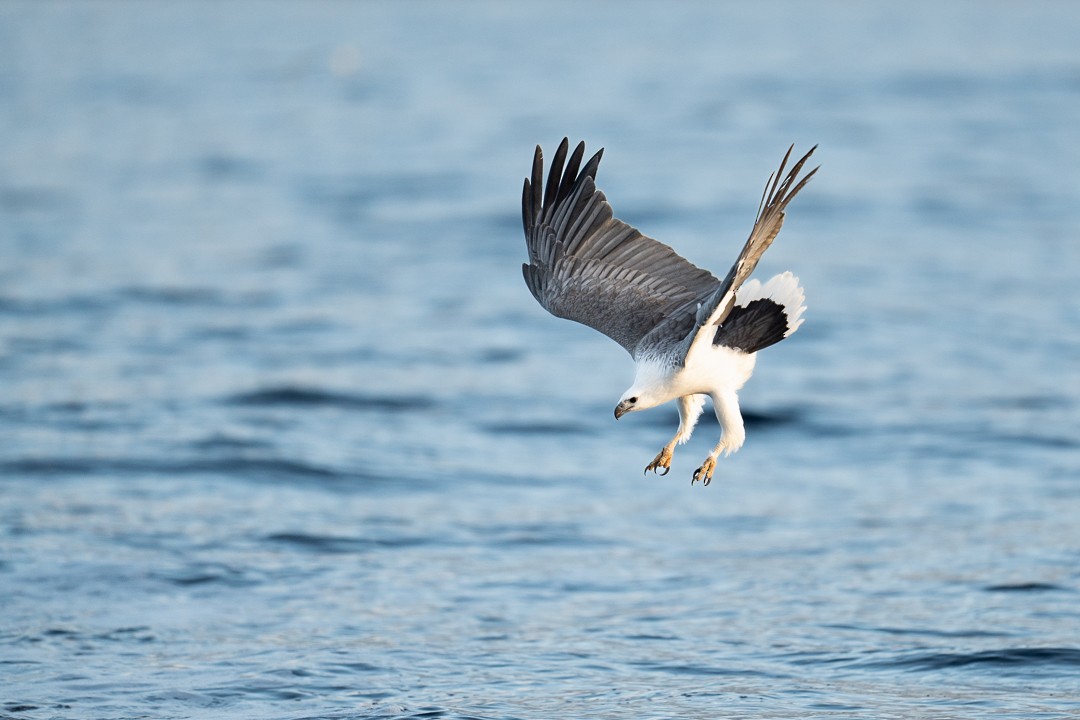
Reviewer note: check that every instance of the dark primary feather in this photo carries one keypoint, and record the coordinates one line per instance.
(588, 266)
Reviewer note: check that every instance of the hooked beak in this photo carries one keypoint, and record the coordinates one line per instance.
(621, 409)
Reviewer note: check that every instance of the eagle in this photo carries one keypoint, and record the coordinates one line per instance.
(691, 335)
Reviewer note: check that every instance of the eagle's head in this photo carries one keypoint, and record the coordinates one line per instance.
(636, 398)
(650, 388)
(626, 404)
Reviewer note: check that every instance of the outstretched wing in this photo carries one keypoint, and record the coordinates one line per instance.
(715, 308)
(588, 266)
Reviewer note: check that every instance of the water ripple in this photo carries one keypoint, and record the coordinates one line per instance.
(1024, 587)
(293, 396)
(1065, 659)
(235, 466)
(336, 545)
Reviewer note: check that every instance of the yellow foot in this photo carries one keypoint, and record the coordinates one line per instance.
(663, 460)
(704, 473)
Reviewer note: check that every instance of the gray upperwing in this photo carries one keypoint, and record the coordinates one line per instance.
(588, 266)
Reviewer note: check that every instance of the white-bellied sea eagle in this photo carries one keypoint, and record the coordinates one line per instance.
(690, 334)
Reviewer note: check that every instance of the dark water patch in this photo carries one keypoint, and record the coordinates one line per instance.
(35, 199)
(24, 345)
(1024, 587)
(429, 713)
(60, 633)
(229, 442)
(1047, 442)
(184, 697)
(1064, 659)
(702, 670)
(207, 575)
(55, 306)
(778, 417)
(175, 295)
(340, 545)
(72, 406)
(1030, 402)
(536, 534)
(649, 637)
(292, 396)
(817, 658)
(309, 327)
(536, 428)
(241, 467)
(83, 417)
(350, 668)
(500, 356)
(226, 333)
(225, 168)
(925, 632)
(138, 633)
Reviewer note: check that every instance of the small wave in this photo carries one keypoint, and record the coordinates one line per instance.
(229, 167)
(1049, 442)
(339, 545)
(1024, 587)
(229, 442)
(1029, 402)
(928, 632)
(536, 428)
(300, 396)
(1064, 658)
(704, 670)
(19, 707)
(135, 633)
(174, 295)
(238, 466)
(207, 574)
(498, 356)
(772, 418)
(52, 306)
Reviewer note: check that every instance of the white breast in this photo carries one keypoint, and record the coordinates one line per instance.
(714, 369)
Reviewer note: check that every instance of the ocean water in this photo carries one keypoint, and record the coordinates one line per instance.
(284, 435)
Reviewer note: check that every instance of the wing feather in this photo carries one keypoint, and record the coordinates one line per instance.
(778, 193)
(588, 266)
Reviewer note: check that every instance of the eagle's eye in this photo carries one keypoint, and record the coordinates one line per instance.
(632, 400)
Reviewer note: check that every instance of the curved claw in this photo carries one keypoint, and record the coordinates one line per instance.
(705, 472)
(662, 460)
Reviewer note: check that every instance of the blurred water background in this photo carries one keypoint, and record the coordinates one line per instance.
(284, 435)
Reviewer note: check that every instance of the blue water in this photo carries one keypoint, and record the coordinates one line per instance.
(284, 435)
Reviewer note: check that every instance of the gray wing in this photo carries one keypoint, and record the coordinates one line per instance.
(586, 265)
(715, 305)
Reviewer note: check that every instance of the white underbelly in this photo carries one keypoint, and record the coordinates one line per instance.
(716, 369)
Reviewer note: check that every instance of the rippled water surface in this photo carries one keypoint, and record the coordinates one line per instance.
(284, 435)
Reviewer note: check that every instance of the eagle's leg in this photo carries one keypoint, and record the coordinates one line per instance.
(690, 407)
(732, 435)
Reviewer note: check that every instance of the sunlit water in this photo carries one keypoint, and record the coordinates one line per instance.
(283, 434)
